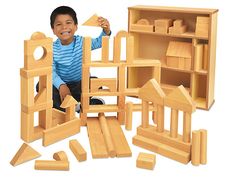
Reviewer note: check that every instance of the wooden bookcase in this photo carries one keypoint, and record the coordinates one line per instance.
(199, 76)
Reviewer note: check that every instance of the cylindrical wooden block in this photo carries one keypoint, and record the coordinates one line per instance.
(174, 123)
(187, 127)
(61, 155)
(145, 112)
(160, 118)
(51, 165)
(128, 117)
(195, 152)
(107, 135)
(203, 151)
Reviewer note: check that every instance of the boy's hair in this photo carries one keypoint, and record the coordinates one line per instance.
(62, 10)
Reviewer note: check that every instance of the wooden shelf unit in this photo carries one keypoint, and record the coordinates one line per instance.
(200, 78)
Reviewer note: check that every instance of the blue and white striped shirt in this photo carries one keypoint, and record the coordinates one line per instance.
(67, 59)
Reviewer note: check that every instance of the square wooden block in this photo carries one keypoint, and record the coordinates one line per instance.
(146, 161)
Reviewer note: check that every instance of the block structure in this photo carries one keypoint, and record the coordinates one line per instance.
(42, 101)
(168, 143)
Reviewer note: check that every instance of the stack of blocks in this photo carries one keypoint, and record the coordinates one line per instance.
(202, 26)
(42, 102)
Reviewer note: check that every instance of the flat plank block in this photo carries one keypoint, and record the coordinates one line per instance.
(61, 132)
(24, 154)
(121, 145)
(78, 150)
(146, 161)
(51, 165)
(60, 156)
(96, 139)
(164, 138)
(162, 149)
(144, 28)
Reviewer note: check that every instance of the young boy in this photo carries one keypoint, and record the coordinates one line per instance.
(67, 54)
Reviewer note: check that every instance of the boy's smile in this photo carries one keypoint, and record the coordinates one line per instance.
(64, 28)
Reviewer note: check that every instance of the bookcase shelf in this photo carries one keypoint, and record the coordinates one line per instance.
(198, 75)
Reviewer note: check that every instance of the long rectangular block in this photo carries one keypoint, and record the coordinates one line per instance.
(60, 132)
(78, 150)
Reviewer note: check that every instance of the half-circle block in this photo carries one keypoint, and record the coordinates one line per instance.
(95, 84)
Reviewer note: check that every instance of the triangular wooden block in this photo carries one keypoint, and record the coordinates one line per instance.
(24, 154)
(180, 99)
(68, 101)
(152, 92)
(92, 21)
(40, 97)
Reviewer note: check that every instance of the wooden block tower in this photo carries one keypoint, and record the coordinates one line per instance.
(42, 101)
(157, 139)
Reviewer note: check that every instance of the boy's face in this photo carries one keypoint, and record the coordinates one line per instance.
(64, 28)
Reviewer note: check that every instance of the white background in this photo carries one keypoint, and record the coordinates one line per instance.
(19, 19)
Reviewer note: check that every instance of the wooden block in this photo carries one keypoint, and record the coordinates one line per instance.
(180, 99)
(130, 49)
(87, 50)
(203, 20)
(51, 165)
(37, 107)
(198, 57)
(69, 104)
(205, 57)
(203, 146)
(60, 132)
(152, 92)
(46, 82)
(24, 154)
(105, 49)
(29, 47)
(121, 78)
(187, 127)
(160, 118)
(162, 149)
(116, 49)
(121, 106)
(143, 21)
(96, 139)
(195, 152)
(85, 79)
(145, 114)
(161, 30)
(144, 28)
(107, 135)
(41, 96)
(146, 161)
(180, 30)
(27, 126)
(164, 138)
(128, 116)
(78, 150)
(60, 156)
(95, 84)
(45, 118)
(178, 23)
(163, 23)
(92, 21)
(118, 138)
(36, 72)
(27, 91)
(174, 123)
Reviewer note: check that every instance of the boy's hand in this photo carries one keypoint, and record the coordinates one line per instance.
(104, 23)
(63, 91)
